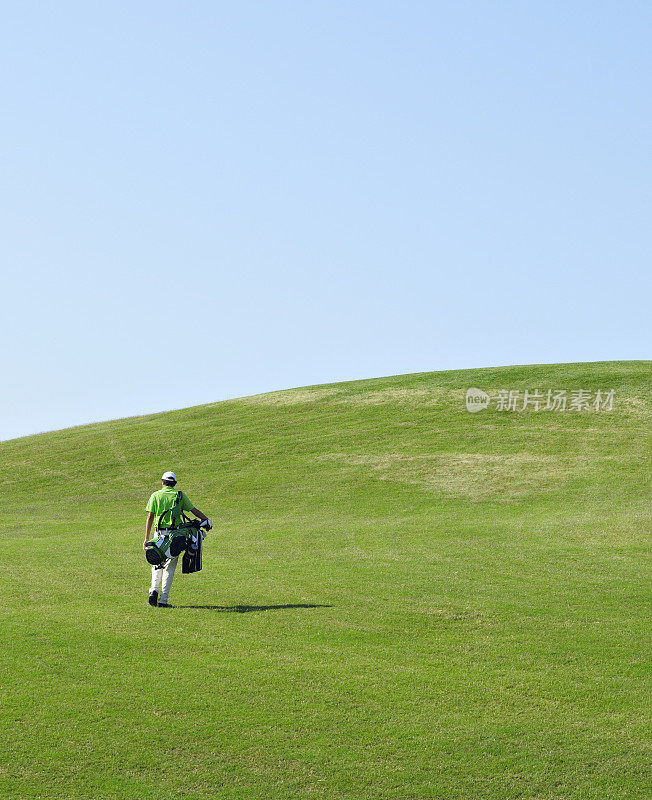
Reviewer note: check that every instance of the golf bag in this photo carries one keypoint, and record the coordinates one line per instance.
(191, 561)
(168, 545)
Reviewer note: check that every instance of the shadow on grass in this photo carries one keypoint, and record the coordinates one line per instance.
(247, 609)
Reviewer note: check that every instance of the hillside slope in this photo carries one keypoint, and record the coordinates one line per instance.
(443, 604)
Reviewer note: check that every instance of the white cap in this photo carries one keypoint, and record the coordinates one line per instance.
(169, 476)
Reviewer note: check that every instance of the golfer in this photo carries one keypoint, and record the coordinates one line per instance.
(159, 504)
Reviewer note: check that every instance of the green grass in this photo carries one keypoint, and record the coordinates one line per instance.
(401, 600)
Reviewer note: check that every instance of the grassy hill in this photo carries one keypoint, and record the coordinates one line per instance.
(400, 599)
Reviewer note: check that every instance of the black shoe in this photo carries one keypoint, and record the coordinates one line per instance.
(164, 605)
(153, 598)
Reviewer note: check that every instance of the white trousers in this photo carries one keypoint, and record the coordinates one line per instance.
(163, 578)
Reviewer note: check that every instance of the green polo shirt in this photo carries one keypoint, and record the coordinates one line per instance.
(163, 501)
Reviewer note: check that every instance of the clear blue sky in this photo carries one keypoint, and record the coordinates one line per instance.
(203, 200)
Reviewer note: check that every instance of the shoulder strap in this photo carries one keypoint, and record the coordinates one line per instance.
(173, 512)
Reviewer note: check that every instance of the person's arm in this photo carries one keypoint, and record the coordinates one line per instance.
(198, 513)
(148, 527)
(187, 505)
(202, 517)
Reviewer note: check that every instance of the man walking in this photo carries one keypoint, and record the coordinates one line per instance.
(164, 509)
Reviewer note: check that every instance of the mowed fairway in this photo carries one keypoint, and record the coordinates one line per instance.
(400, 599)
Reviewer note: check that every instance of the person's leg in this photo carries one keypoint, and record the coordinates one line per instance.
(157, 574)
(168, 574)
